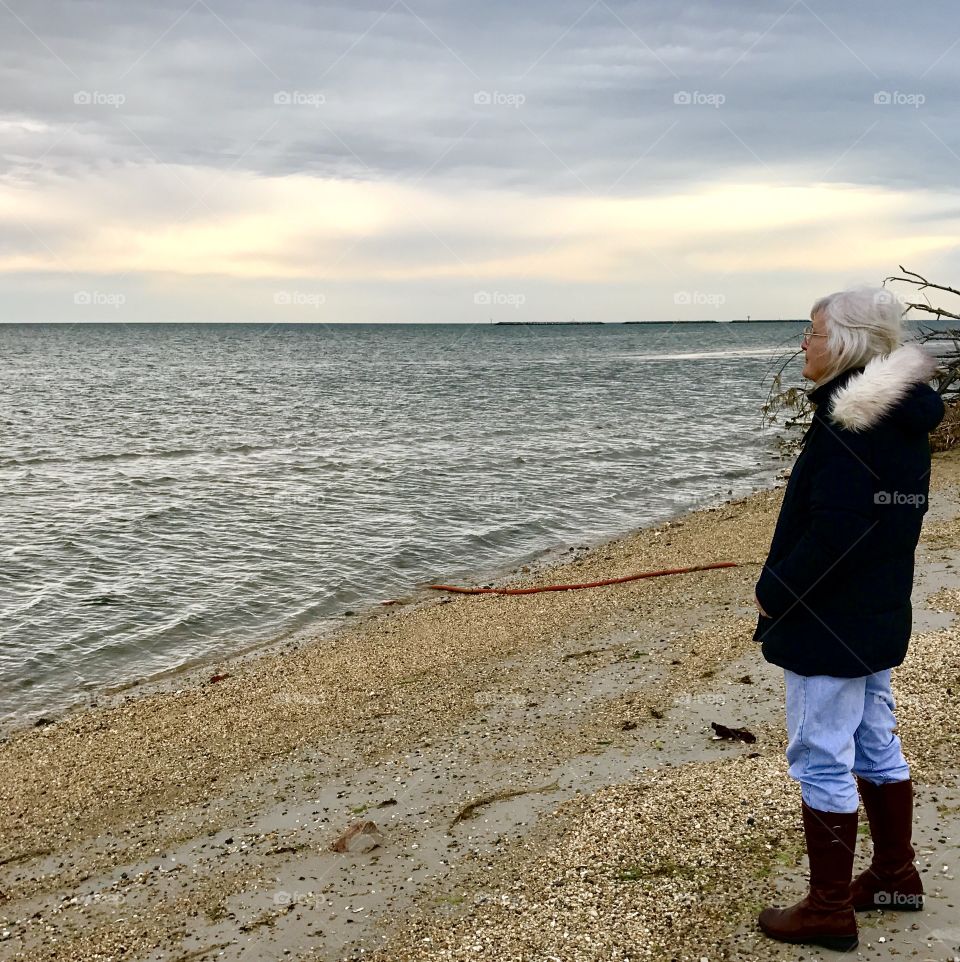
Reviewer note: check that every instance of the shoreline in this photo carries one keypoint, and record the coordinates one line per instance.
(541, 772)
(195, 670)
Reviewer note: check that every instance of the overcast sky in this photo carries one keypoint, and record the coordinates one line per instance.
(427, 161)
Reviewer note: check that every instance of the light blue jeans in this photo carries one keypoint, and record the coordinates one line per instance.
(838, 728)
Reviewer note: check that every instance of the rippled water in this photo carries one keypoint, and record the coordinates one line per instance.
(173, 492)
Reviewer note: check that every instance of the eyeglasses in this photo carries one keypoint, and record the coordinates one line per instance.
(808, 333)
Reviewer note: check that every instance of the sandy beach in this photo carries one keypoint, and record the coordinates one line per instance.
(536, 777)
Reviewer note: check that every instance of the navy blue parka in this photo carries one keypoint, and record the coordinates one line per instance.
(836, 584)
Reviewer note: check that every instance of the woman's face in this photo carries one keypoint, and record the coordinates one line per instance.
(816, 350)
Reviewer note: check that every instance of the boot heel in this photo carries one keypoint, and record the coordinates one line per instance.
(839, 943)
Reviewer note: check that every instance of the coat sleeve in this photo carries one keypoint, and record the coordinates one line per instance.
(840, 514)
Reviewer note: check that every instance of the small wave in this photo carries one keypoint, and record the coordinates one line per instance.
(98, 601)
(139, 455)
(142, 537)
(706, 355)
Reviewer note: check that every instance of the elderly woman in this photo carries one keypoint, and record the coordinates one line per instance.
(834, 602)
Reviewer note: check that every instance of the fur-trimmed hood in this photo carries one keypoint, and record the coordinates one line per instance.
(891, 387)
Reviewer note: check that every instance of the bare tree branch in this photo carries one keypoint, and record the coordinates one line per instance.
(920, 281)
(789, 406)
(922, 284)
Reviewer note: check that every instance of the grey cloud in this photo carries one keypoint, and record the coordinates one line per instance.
(400, 82)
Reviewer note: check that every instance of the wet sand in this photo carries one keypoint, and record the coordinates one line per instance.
(540, 769)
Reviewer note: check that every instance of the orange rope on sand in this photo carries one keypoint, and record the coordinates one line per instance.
(589, 584)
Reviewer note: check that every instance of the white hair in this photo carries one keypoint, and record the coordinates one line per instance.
(861, 323)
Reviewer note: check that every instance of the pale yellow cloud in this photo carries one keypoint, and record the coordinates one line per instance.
(194, 221)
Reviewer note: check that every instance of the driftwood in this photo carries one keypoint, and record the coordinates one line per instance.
(469, 810)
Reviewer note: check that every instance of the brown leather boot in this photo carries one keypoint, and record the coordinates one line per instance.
(825, 917)
(892, 881)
